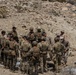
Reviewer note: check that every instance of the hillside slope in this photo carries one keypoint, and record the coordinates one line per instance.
(52, 16)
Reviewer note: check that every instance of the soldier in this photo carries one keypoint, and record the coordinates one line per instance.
(38, 35)
(31, 35)
(2, 45)
(6, 51)
(13, 53)
(44, 34)
(14, 33)
(34, 53)
(25, 47)
(57, 49)
(65, 52)
(43, 45)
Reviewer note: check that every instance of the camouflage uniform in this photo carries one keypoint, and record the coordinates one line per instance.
(25, 47)
(14, 33)
(44, 49)
(6, 50)
(34, 54)
(13, 54)
(38, 35)
(65, 52)
(2, 45)
(57, 57)
(31, 36)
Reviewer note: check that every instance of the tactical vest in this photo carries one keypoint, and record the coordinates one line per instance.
(44, 46)
(36, 51)
(58, 47)
(25, 47)
(12, 46)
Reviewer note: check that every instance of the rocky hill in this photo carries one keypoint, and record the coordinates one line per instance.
(52, 16)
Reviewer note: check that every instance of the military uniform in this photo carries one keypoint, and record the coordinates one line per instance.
(2, 45)
(31, 37)
(57, 57)
(25, 47)
(38, 35)
(6, 51)
(14, 33)
(34, 54)
(13, 54)
(65, 52)
(44, 49)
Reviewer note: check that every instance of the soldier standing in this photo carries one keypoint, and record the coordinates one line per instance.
(38, 35)
(13, 53)
(6, 51)
(65, 51)
(25, 47)
(14, 33)
(2, 45)
(34, 54)
(31, 35)
(43, 45)
(57, 49)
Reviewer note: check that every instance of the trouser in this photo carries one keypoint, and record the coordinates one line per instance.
(43, 63)
(34, 67)
(65, 57)
(5, 59)
(57, 62)
(12, 62)
(24, 65)
(2, 56)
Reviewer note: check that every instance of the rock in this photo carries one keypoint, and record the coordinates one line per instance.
(64, 9)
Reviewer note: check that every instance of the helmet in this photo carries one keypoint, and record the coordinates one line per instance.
(34, 43)
(39, 29)
(31, 28)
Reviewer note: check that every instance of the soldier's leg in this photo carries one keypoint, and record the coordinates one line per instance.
(31, 68)
(11, 63)
(41, 64)
(56, 65)
(5, 60)
(36, 68)
(59, 60)
(27, 68)
(26, 65)
(44, 62)
(14, 59)
(2, 56)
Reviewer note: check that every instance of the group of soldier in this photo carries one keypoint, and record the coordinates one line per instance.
(34, 49)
